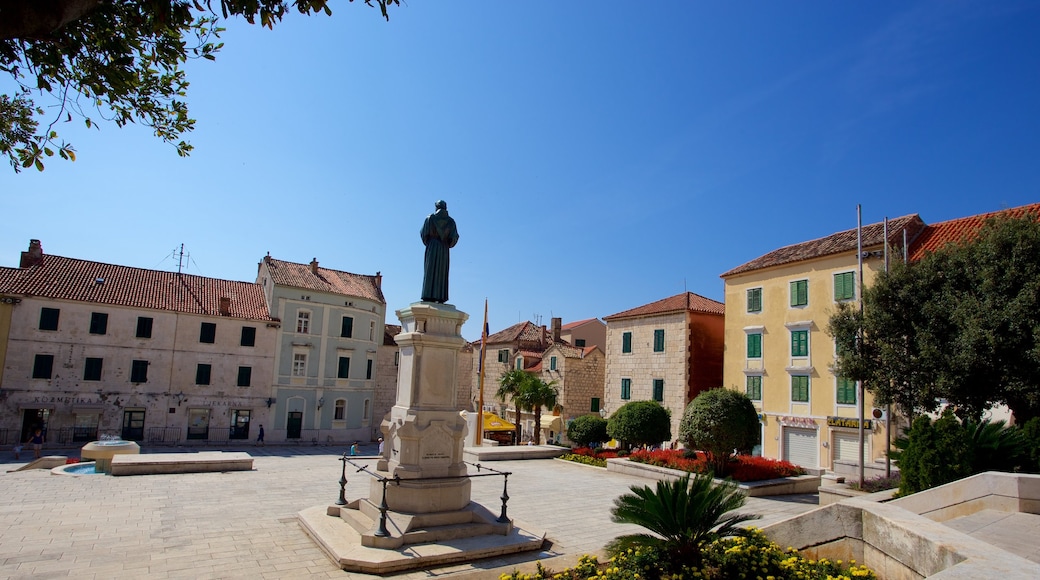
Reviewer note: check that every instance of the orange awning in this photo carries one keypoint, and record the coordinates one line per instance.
(493, 422)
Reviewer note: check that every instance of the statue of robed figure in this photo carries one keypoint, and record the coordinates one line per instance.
(439, 235)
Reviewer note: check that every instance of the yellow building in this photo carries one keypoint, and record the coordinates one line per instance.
(778, 350)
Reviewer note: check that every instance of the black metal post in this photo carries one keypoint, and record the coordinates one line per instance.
(382, 531)
(505, 498)
(343, 482)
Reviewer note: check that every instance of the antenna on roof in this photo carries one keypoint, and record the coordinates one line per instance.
(180, 258)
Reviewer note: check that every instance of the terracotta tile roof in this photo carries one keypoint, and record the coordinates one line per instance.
(569, 351)
(63, 278)
(571, 325)
(845, 241)
(938, 235)
(521, 331)
(678, 303)
(326, 280)
(389, 332)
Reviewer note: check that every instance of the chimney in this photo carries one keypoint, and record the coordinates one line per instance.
(33, 256)
(379, 280)
(545, 334)
(556, 324)
(225, 306)
(314, 266)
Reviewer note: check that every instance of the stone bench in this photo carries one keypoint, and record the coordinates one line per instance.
(155, 463)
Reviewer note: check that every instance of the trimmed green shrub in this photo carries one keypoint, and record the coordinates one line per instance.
(640, 423)
(1031, 434)
(587, 429)
(718, 422)
(933, 453)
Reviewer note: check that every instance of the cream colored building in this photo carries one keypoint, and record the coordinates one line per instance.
(779, 353)
(582, 333)
(667, 351)
(151, 356)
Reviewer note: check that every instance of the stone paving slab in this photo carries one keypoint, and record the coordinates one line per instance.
(243, 524)
(1015, 532)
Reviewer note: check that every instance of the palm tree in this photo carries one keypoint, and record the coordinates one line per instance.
(535, 394)
(509, 386)
(685, 514)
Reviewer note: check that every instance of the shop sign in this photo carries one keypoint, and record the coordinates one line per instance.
(849, 422)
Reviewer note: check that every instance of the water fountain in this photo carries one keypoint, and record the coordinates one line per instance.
(103, 450)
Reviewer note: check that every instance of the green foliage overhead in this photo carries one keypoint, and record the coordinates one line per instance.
(640, 423)
(720, 421)
(509, 386)
(587, 429)
(961, 324)
(112, 60)
(684, 515)
(534, 394)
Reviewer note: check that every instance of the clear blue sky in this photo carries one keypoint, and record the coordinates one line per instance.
(596, 155)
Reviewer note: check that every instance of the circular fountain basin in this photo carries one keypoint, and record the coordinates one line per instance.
(76, 469)
(103, 451)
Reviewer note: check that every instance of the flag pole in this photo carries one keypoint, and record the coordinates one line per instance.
(480, 380)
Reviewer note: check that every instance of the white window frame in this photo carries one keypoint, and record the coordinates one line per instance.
(299, 364)
(303, 322)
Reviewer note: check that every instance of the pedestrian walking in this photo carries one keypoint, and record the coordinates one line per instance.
(354, 448)
(260, 437)
(37, 442)
(380, 446)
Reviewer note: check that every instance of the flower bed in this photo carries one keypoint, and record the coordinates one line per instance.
(743, 468)
(587, 456)
(749, 556)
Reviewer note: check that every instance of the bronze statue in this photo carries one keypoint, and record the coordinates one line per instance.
(439, 235)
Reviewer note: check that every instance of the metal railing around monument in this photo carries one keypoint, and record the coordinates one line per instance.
(381, 531)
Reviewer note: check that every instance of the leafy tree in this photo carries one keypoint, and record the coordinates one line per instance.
(996, 447)
(685, 514)
(587, 429)
(718, 422)
(640, 423)
(1031, 434)
(510, 384)
(961, 324)
(533, 395)
(932, 453)
(123, 58)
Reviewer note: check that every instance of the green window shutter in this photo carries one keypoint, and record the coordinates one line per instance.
(800, 388)
(92, 369)
(248, 336)
(347, 329)
(846, 394)
(659, 340)
(144, 327)
(503, 356)
(800, 293)
(626, 389)
(754, 387)
(552, 363)
(626, 342)
(754, 300)
(344, 368)
(799, 343)
(49, 318)
(754, 346)
(659, 390)
(595, 405)
(98, 323)
(845, 286)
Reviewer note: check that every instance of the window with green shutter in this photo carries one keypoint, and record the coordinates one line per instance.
(754, 345)
(503, 355)
(659, 340)
(845, 286)
(92, 369)
(626, 342)
(594, 407)
(659, 390)
(626, 389)
(245, 376)
(552, 363)
(800, 293)
(344, 368)
(800, 388)
(754, 387)
(799, 343)
(846, 394)
(754, 300)
(43, 365)
(49, 318)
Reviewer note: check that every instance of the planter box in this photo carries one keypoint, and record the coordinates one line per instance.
(781, 486)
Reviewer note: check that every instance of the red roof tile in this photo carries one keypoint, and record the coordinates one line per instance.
(678, 303)
(63, 278)
(571, 325)
(938, 235)
(845, 241)
(521, 331)
(325, 280)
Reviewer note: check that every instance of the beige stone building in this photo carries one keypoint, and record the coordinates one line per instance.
(578, 373)
(152, 356)
(779, 353)
(667, 351)
(582, 333)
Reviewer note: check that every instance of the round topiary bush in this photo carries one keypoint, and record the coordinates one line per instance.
(719, 422)
(586, 430)
(640, 423)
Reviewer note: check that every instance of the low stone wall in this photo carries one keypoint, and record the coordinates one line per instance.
(898, 543)
(782, 486)
(154, 463)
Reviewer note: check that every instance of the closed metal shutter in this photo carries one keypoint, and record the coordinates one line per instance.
(800, 447)
(846, 447)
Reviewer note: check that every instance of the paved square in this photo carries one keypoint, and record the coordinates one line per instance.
(243, 524)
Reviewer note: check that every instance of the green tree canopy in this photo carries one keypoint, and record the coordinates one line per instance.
(510, 384)
(718, 422)
(962, 324)
(121, 59)
(587, 429)
(533, 395)
(640, 423)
